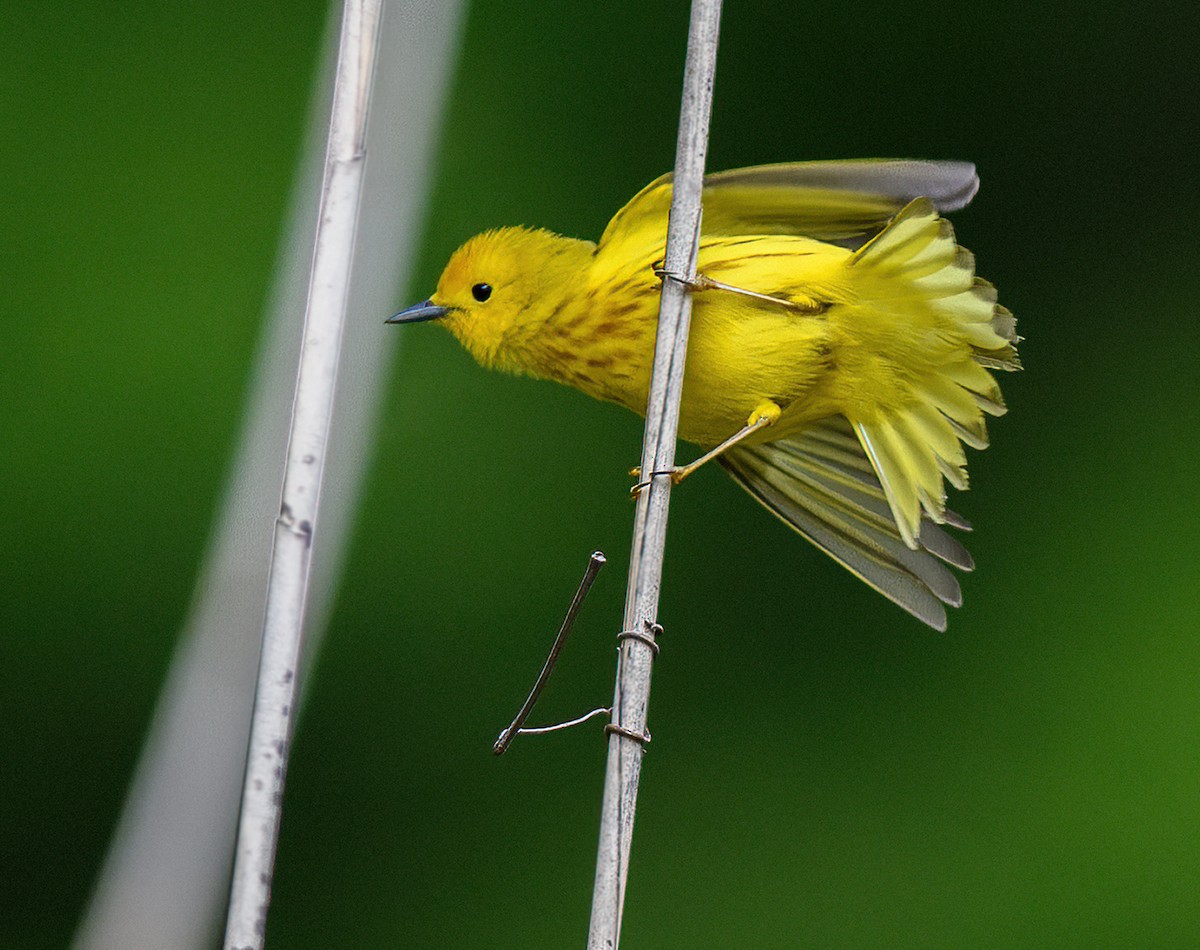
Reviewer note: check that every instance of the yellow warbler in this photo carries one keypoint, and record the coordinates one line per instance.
(838, 357)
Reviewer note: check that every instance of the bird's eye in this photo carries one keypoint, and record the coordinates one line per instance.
(481, 292)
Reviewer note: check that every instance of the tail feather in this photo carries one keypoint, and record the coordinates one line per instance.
(935, 430)
(915, 445)
(823, 486)
(870, 491)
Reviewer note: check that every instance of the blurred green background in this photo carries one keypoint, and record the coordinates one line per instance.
(825, 771)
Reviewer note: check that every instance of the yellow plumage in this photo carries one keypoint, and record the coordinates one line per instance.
(870, 356)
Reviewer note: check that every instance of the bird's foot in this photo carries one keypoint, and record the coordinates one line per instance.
(765, 413)
(677, 475)
(695, 283)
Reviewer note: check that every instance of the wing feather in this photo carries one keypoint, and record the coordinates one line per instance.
(845, 202)
(821, 483)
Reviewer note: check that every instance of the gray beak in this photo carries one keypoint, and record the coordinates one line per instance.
(418, 313)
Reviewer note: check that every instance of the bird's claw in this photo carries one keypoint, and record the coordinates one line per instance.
(677, 475)
(695, 283)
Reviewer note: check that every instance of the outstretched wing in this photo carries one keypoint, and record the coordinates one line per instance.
(821, 484)
(845, 202)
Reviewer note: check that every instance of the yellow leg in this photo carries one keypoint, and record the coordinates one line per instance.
(701, 282)
(764, 414)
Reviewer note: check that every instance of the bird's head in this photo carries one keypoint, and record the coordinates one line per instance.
(500, 288)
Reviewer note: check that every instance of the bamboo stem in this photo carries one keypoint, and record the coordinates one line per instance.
(165, 880)
(275, 697)
(632, 693)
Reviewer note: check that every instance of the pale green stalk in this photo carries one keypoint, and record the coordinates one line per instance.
(273, 719)
(632, 694)
(165, 880)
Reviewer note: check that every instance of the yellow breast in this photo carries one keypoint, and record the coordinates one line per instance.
(834, 352)
(741, 351)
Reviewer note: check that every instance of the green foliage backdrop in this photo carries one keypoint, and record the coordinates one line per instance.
(825, 771)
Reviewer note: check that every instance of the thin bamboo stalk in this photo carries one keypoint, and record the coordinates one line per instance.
(632, 694)
(165, 880)
(275, 697)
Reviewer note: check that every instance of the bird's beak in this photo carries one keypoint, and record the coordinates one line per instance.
(417, 313)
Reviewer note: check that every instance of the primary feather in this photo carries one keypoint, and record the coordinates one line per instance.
(877, 350)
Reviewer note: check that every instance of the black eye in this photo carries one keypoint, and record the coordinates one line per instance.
(481, 292)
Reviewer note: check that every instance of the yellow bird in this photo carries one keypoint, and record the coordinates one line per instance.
(838, 357)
